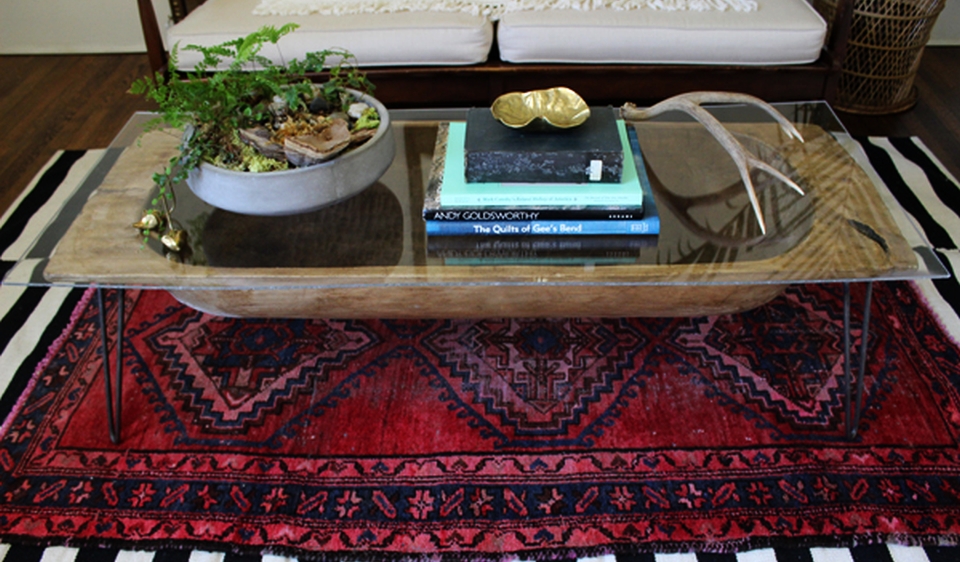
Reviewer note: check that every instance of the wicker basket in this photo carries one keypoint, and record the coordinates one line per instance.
(886, 42)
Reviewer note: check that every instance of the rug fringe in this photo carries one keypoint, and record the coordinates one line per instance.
(544, 555)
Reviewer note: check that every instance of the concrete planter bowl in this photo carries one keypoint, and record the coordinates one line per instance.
(300, 190)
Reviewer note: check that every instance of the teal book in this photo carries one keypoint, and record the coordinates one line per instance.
(453, 191)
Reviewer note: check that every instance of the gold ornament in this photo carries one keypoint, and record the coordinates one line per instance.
(560, 107)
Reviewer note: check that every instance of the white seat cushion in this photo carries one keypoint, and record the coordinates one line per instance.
(778, 32)
(388, 39)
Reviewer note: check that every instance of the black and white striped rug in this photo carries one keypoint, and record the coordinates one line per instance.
(32, 317)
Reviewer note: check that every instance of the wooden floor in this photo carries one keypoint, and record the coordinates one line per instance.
(935, 118)
(49, 103)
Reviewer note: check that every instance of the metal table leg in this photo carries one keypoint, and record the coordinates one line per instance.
(853, 412)
(113, 380)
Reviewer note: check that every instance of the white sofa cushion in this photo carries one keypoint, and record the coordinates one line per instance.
(778, 32)
(386, 39)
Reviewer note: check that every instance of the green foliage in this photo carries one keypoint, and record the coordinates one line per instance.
(251, 161)
(369, 119)
(231, 89)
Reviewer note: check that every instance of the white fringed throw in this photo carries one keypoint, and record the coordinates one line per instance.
(490, 8)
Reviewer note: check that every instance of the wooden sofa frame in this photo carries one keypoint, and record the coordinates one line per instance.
(599, 84)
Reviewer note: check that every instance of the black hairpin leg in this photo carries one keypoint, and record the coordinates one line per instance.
(852, 411)
(113, 380)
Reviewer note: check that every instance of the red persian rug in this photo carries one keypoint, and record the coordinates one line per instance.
(480, 439)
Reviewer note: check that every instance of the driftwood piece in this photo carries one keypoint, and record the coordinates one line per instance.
(260, 139)
(313, 149)
(361, 136)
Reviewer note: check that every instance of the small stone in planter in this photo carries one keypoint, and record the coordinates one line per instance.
(279, 110)
(356, 109)
(319, 105)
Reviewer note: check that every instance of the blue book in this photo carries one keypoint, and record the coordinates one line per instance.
(543, 228)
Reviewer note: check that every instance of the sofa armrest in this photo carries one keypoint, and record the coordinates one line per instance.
(156, 52)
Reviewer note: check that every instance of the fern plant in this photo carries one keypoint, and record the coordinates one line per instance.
(231, 89)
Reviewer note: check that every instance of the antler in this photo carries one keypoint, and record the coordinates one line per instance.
(690, 103)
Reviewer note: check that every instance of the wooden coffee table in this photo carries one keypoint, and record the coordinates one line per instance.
(370, 256)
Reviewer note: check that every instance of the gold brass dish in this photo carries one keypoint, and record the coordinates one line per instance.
(559, 107)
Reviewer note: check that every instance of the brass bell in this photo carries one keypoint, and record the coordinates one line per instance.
(174, 240)
(149, 221)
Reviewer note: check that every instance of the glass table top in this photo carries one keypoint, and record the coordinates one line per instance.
(846, 227)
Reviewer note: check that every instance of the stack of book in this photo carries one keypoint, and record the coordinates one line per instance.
(489, 180)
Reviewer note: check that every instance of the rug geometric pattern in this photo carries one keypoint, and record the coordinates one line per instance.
(645, 436)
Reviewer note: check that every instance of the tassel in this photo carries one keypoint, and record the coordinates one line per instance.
(489, 8)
